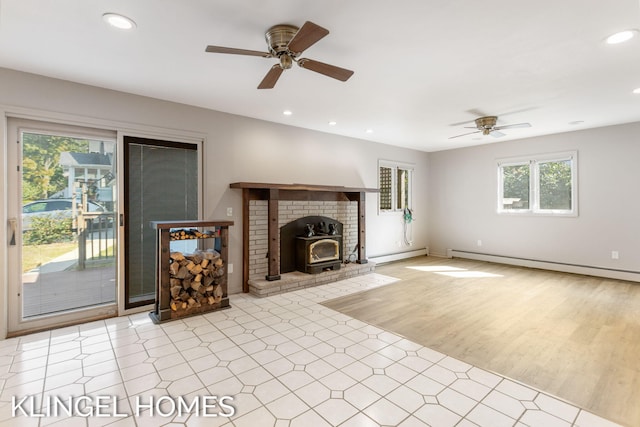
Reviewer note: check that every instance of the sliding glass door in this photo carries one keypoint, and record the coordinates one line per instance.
(161, 183)
(63, 242)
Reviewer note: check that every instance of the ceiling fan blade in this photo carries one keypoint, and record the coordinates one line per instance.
(306, 36)
(464, 134)
(233, 51)
(271, 78)
(496, 133)
(514, 126)
(332, 71)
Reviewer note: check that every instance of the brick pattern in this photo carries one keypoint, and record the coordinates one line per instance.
(344, 212)
(261, 287)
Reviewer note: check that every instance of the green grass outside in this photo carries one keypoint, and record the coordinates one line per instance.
(36, 255)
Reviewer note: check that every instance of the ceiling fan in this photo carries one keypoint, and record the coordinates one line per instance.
(287, 42)
(487, 125)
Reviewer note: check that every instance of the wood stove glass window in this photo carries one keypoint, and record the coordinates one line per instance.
(324, 250)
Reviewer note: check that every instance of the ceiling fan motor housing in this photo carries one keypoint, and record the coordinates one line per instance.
(278, 38)
(486, 124)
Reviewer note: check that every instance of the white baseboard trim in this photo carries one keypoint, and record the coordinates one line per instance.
(396, 257)
(609, 273)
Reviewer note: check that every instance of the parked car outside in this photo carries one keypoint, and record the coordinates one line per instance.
(58, 208)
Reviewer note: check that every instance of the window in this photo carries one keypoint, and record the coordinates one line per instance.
(395, 184)
(544, 184)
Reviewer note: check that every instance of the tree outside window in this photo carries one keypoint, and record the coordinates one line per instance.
(545, 184)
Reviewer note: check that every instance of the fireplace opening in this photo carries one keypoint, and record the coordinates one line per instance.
(311, 244)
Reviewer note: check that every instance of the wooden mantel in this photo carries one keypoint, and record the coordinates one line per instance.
(275, 192)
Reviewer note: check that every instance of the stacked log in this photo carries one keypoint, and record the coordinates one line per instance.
(191, 233)
(195, 279)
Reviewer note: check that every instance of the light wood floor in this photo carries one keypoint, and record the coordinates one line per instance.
(576, 337)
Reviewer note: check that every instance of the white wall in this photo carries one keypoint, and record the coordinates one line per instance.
(463, 201)
(236, 149)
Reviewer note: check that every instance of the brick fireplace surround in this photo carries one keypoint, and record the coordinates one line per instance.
(268, 207)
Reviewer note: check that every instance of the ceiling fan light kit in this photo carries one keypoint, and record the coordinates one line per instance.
(287, 42)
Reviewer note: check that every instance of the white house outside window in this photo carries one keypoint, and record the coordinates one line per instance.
(542, 184)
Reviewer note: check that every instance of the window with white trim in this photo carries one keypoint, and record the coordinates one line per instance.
(395, 185)
(542, 184)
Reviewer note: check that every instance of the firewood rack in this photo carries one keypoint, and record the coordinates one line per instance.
(199, 231)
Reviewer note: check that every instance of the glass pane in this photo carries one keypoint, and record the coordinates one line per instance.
(385, 188)
(555, 185)
(68, 243)
(162, 186)
(403, 186)
(515, 187)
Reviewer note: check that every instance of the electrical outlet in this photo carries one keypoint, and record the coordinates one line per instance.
(615, 255)
(229, 268)
(479, 242)
(229, 211)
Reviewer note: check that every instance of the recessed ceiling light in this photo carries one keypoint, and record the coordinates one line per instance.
(637, 91)
(119, 21)
(621, 36)
(332, 123)
(369, 131)
(287, 112)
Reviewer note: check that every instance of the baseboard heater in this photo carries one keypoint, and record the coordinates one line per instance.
(380, 259)
(611, 273)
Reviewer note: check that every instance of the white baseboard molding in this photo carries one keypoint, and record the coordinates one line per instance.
(610, 273)
(396, 257)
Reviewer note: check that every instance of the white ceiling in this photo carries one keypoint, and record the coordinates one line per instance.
(421, 66)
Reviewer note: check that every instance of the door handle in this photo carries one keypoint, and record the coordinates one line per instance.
(13, 222)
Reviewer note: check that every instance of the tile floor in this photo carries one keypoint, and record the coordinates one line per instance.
(285, 360)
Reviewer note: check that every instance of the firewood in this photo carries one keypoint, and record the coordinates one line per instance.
(217, 293)
(191, 302)
(182, 273)
(175, 291)
(218, 262)
(174, 306)
(196, 269)
(198, 278)
(176, 256)
(196, 258)
(208, 288)
(190, 266)
(208, 280)
(204, 263)
(184, 305)
(175, 282)
(173, 268)
(211, 300)
(186, 283)
(195, 285)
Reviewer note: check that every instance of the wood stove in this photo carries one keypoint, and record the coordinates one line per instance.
(318, 253)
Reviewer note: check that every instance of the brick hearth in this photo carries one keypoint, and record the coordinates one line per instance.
(293, 281)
